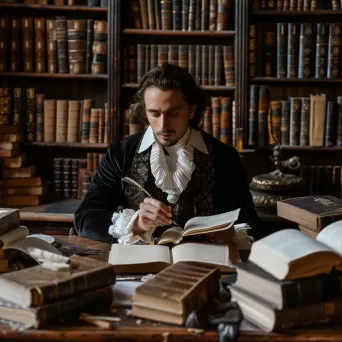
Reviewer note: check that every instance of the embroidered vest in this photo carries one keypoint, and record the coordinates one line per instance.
(195, 200)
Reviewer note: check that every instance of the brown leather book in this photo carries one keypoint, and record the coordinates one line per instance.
(4, 47)
(15, 53)
(40, 49)
(285, 119)
(27, 44)
(175, 292)
(32, 190)
(22, 172)
(51, 42)
(223, 14)
(24, 182)
(9, 219)
(15, 162)
(20, 201)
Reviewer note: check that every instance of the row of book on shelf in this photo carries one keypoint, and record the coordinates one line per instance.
(91, 3)
(182, 15)
(297, 121)
(209, 64)
(296, 5)
(219, 120)
(296, 50)
(49, 120)
(75, 46)
(72, 176)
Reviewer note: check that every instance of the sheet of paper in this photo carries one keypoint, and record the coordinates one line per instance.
(331, 236)
(13, 235)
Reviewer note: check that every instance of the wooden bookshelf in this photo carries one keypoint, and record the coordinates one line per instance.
(178, 33)
(303, 148)
(317, 13)
(99, 146)
(204, 87)
(294, 80)
(48, 75)
(54, 8)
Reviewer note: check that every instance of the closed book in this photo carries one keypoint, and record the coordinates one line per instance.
(274, 131)
(317, 119)
(306, 50)
(15, 162)
(314, 212)
(166, 14)
(304, 138)
(285, 122)
(151, 15)
(322, 43)
(4, 44)
(192, 15)
(334, 52)
(339, 122)
(135, 6)
(253, 116)
(27, 44)
(292, 50)
(331, 124)
(223, 10)
(20, 201)
(22, 172)
(157, 11)
(24, 182)
(262, 115)
(269, 53)
(205, 15)
(9, 219)
(97, 300)
(176, 15)
(252, 50)
(62, 45)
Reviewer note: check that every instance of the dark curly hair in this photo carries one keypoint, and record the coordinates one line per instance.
(166, 77)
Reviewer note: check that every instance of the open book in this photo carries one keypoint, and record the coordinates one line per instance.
(135, 259)
(200, 225)
(18, 239)
(290, 254)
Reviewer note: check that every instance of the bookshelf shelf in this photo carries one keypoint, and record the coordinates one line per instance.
(296, 13)
(204, 87)
(294, 80)
(48, 75)
(68, 145)
(55, 8)
(302, 148)
(178, 33)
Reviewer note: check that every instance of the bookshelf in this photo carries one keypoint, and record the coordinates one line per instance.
(285, 62)
(63, 89)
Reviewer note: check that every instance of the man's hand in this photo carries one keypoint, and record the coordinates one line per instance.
(152, 214)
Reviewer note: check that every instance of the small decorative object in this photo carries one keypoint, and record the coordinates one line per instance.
(275, 186)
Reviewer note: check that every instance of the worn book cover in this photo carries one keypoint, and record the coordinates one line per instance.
(314, 212)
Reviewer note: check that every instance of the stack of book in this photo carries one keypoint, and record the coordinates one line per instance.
(20, 184)
(311, 213)
(292, 280)
(35, 296)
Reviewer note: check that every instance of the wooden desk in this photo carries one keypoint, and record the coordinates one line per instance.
(129, 330)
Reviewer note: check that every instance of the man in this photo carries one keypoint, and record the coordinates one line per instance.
(188, 172)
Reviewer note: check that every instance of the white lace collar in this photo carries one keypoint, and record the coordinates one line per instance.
(173, 182)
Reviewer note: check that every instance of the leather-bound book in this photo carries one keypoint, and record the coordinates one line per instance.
(275, 111)
(136, 14)
(57, 177)
(295, 117)
(314, 212)
(292, 50)
(94, 125)
(192, 15)
(253, 116)
(95, 162)
(304, 139)
(322, 43)
(40, 51)
(216, 119)
(166, 14)
(21, 172)
(173, 54)
(18, 106)
(176, 15)
(192, 60)
(255, 4)
(74, 178)
(198, 66)
(223, 14)
(77, 45)
(30, 114)
(281, 49)
(307, 5)
(331, 124)
(98, 65)
(334, 53)
(101, 125)
(132, 61)
(4, 38)
(300, 5)
(205, 60)
(61, 120)
(175, 292)
(62, 45)
(106, 125)
(336, 6)
(51, 46)
(49, 120)
(183, 56)
(252, 48)
(339, 122)
(157, 11)
(306, 51)
(27, 44)
(73, 121)
(270, 52)
(185, 15)
(144, 14)
(93, 3)
(66, 178)
(293, 5)
(87, 105)
(313, 6)
(279, 4)
(147, 57)
(90, 39)
(285, 120)
(140, 62)
(218, 64)
(40, 117)
(229, 70)
(90, 162)
(198, 16)
(6, 106)
(211, 65)
(262, 115)
(317, 119)
(286, 5)
(271, 4)
(226, 120)
(162, 54)
(151, 15)
(15, 51)
(208, 120)
(205, 15)
(9, 220)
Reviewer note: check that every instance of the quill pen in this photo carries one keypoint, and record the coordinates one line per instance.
(133, 182)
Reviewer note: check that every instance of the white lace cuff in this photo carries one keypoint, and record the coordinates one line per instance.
(242, 240)
(122, 226)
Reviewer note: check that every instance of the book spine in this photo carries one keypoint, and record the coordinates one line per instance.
(192, 15)
(51, 42)
(305, 122)
(262, 115)
(144, 15)
(218, 64)
(136, 14)
(322, 43)
(90, 39)
(226, 120)
(335, 5)
(292, 50)
(295, 113)
(30, 114)
(330, 124)
(281, 50)
(74, 178)
(306, 50)
(211, 65)
(157, 9)
(73, 121)
(162, 54)
(192, 60)
(61, 120)
(216, 119)
(151, 15)
(223, 14)
(286, 5)
(334, 53)
(275, 133)
(300, 5)
(212, 15)
(253, 117)
(99, 50)
(208, 120)
(62, 45)
(205, 60)
(177, 15)
(205, 15)
(339, 122)
(166, 14)
(252, 50)
(228, 55)
(101, 125)
(15, 45)
(49, 120)
(57, 177)
(269, 51)
(307, 5)
(18, 105)
(198, 16)
(183, 56)
(147, 57)
(40, 117)
(67, 178)
(94, 125)
(40, 50)
(27, 44)
(4, 38)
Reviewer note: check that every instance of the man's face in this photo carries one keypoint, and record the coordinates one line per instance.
(168, 114)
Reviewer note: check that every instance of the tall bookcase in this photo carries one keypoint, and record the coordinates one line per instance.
(322, 164)
(67, 86)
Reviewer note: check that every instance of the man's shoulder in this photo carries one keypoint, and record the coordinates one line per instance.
(129, 143)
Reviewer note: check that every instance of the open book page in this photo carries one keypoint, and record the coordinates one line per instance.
(172, 235)
(32, 242)
(331, 236)
(13, 235)
(210, 224)
(121, 254)
(275, 252)
(208, 253)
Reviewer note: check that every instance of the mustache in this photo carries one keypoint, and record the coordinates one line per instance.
(166, 131)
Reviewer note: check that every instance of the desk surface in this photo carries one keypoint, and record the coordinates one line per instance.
(147, 331)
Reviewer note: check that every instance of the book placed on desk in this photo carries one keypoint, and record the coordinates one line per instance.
(154, 258)
(175, 292)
